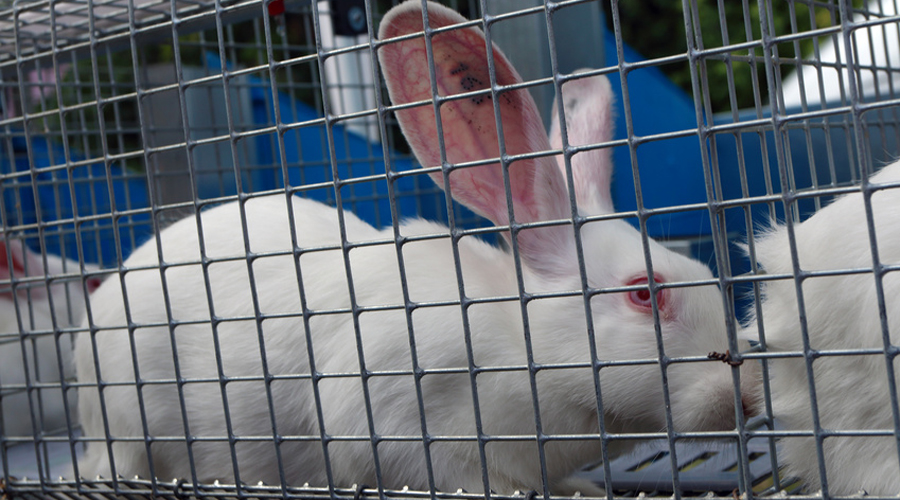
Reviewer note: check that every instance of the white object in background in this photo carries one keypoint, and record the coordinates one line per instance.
(348, 77)
(874, 47)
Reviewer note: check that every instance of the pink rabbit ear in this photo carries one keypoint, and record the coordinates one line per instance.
(588, 108)
(469, 127)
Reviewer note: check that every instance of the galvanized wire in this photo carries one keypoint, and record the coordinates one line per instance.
(94, 124)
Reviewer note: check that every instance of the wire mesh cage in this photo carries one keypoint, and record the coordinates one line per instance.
(340, 249)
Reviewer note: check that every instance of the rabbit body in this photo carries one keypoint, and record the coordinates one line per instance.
(351, 318)
(48, 362)
(385, 342)
(568, 402)
(841, 312)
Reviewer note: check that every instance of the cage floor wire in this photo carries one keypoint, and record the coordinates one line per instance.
(704, 468)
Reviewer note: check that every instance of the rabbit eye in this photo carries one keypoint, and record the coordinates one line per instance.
(640, 298)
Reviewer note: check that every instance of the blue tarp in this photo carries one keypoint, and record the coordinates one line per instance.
(671, 170)
(307, 161)
(306, 157)
(66, 192)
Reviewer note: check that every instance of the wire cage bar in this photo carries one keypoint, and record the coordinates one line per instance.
(231, 267)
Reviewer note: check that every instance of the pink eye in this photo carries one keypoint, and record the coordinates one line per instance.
(640, 298)
(93, 284)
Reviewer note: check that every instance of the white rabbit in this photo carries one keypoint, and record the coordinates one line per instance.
(841, 313)
(38, 319)
(273, 312)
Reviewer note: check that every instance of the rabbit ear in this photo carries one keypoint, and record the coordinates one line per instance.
(469, 127)
(22, 260)
(587, 105)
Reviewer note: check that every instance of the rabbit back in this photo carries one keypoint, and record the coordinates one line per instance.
(841, 312)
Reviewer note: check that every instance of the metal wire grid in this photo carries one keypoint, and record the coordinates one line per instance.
(128, 85)
(852, 122)
(33, 28)
(859, 102)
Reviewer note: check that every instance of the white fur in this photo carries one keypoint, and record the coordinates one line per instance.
(43, 356)
(841, 313)
(691, 323)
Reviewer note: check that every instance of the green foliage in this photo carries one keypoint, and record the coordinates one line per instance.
(656, 29)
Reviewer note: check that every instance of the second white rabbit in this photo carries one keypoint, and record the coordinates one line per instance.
(841, 312)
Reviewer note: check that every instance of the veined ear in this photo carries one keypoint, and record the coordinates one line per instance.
(460, 64)
(587, 104)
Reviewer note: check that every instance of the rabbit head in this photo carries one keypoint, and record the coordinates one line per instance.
(36, 308)
(67, 297)
(627, 302)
